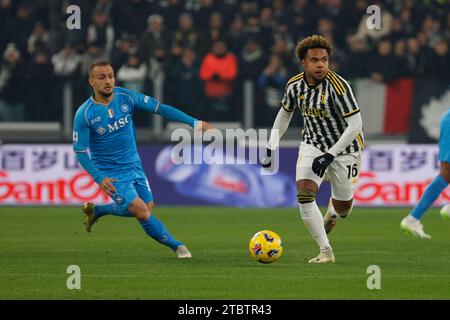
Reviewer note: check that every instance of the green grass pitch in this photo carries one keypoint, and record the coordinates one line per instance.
(118, 261)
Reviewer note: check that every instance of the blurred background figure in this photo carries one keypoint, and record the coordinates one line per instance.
(132, 74)
(272, 82)
(12, 85)
(218, 71)
(186, 87)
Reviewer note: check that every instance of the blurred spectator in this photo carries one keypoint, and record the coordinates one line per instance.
(38, 39)
(101, 33)
(267, 21)
(203, 15)
(301, 18)
(6, 16)
(158, 70)
(438, 64)
(406, 21)
(337, 15)
(401, 63)
(253, 29)
(416, 58)
(272, 82)
(186, 88)
(105, 6)
(216, 30)
(186, 36)
(374, 35)
(279, 9)
(40, 86)
(154, 36)
(382, 65)
(251, 60)
(132, 74)
(357, 59)
(130, 16)
(281, 49)
(66, 63)
(92, 53)
(431, 28)
(282, 32)
(12, 85)
(123, 46)
(397, 30)
(237, 34)
(171, 12)
(218, 71)
(20, 27)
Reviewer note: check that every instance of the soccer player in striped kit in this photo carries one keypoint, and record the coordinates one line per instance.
(332, 140)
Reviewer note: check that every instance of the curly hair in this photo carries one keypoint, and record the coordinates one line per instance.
(312, 42)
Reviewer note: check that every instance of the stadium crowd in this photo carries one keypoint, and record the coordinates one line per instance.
(201, 51)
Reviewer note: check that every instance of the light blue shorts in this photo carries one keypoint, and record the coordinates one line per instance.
(129, 186)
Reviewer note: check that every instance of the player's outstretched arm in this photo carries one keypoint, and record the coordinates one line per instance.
(280, 126)
(174, 114)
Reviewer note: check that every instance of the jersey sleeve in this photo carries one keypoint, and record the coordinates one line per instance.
(81, 137)
(81, 131)
(142, 101)
(343, 96)
(289, 101)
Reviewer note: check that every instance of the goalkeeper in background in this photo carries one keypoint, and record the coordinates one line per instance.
(104, 125)
(411, 223)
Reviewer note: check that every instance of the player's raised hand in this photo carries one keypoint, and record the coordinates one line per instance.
(107, 185)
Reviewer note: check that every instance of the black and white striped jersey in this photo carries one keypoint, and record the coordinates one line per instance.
(324, 108)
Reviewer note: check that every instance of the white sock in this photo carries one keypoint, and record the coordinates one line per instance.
(313, 220)
(332, 211)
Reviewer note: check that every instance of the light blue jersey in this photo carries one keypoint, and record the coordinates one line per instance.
(108, 130)
(444, 138)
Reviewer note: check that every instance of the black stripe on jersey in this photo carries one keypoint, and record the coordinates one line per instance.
(351, 113)
(315, 129)
(355, 146)
(345, 107)
(294, 78)
(339, 81)
(349, 94)
(335, 112)
(328, 121)
(336, 86)
(312, 129)
(348, 149)
(324, 132)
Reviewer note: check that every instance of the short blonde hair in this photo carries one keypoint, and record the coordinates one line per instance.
(312, 42)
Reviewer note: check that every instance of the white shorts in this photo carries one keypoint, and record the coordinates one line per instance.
(343, 172)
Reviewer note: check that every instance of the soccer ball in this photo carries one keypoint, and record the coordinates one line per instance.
(266, 246)
(445, 211)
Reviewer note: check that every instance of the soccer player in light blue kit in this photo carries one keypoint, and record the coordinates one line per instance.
(104, 125)
(411, 223)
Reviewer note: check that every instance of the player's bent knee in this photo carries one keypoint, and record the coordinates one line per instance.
(343, 208)
(143, 215)
(306, 196)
